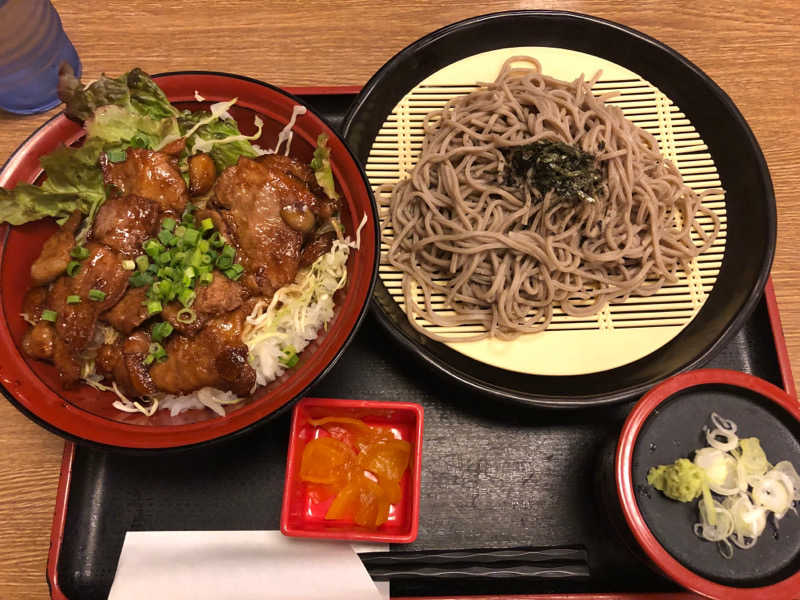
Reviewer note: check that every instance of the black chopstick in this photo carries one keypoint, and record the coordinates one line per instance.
(497, 563)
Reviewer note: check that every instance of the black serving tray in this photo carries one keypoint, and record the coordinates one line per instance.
(494, 474)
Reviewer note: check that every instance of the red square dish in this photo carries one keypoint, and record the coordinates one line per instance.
(301, 516)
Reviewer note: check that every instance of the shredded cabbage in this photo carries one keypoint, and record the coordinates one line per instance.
(286, 133)
(292, 318)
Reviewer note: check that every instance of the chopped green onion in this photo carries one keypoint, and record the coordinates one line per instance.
(142, 262)
(161, 331)
(161, 289)
(79, 252)
(153, 307)
(72, 267)
(206, 224)
(168, 224)
(224, 262)
(204, 269)
(186, 316)
(97, 295)
(166, 272)
(167, 238)
(216, 240)
(148, 360)
(128, 265)
(228, 251)
(180, 231)
(186, 297)
(289, 357)
(157, 352)
(206, 259)
(203, 245)
(191, 237)
(179, 256)
(153, 268)
(206, 278)
(116, 155)
(140, 279)
(234, 272)
(164, 258)
(49, 315)
(153, 248)
(73, 299)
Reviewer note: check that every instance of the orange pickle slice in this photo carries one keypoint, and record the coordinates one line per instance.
(353, 432)
(363, 501)
(336, 466)
(327, 461)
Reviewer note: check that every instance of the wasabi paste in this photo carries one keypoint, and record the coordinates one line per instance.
(681, 481)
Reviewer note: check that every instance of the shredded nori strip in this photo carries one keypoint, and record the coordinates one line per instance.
(569, 172)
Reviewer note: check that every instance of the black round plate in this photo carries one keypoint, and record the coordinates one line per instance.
(674, 431)
(743, 171)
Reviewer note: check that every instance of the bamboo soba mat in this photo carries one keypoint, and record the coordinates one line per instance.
(620, 333)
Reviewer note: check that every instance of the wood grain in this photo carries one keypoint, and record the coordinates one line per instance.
(749, 48)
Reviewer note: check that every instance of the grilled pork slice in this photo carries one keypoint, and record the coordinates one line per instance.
(75, 322)
(54, 258)
(250, 196)
(215, 357)
(220, 296)
(130, 312)
(124, 361)
(124, 223)
(319, 203)
(149, 174)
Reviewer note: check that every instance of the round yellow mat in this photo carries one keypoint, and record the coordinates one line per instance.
(620, 333)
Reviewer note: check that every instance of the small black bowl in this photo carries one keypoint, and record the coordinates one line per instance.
(666, 425)
(750, 201)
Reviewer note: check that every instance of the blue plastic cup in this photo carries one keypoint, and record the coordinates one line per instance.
(32, 46)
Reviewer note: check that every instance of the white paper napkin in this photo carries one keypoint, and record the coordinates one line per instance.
(241, 565)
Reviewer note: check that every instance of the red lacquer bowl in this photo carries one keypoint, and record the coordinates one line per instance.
(86, 415)
(665, 425)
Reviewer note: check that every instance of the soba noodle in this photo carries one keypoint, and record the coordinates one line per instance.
(505, 256)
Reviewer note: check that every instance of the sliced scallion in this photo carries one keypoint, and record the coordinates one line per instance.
(79, 252)
(186, 297)
(140, 279)
(72, 267)
(97, 295)
(186, 316)
(153, 307)
(161, 331)
(116, 155)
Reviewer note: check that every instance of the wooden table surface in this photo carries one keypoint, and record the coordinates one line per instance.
(749, 48)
